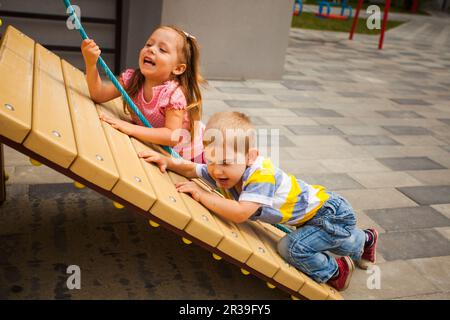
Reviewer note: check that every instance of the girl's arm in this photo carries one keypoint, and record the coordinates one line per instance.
(99, 92)
(163, 136)
(232, 210)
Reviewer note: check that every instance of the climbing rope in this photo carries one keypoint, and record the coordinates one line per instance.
(137, 112)
(104, 66)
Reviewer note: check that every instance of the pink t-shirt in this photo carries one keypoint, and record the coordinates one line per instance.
(168, 96)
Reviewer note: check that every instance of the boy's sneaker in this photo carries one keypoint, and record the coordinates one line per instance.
(369, 255)
(345, 269)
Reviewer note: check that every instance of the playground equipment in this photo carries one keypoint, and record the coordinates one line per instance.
(46, 113)
(343, 5)
(122, 91)
(111, 76)
(387, 6)
(298, 7)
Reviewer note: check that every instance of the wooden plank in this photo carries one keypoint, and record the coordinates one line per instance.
(2, 177)
(115, 108)
(133, 184)
(270, 235)
(233, 243)
(202, 225)
(287, 275)
(51, 132)
(16, 84)
(94, 161)
(314, 291)
(169, 206)
(261, 260)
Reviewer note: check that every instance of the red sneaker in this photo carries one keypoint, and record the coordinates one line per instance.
(345, 267)
(369, 255)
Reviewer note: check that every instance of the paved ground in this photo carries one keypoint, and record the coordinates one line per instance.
(371, 125)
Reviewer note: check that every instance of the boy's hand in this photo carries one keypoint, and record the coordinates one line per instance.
(90, 51)
(192, 188)
(118, 124)
(151, 156)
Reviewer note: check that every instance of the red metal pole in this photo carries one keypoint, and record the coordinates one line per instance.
(355, 19)
(414, 6)
(383, 25)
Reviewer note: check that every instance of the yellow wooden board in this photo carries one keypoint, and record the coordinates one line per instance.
(233, 243)
(202, 225)
(58, 120)
(261, 260)
(287, 275)
(94, 162)
(133, 185)
(16, 83)
(115, 108)
(51, 133)
(169, 206)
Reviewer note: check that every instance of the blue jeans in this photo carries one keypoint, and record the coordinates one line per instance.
(333, 229)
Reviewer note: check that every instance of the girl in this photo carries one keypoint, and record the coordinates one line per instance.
(165, 88)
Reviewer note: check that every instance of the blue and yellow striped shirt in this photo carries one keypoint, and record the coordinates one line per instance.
(284, 198)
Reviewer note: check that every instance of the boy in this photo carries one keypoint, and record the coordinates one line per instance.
(255, 189)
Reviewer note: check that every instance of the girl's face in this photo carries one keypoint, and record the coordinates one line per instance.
(159, 59)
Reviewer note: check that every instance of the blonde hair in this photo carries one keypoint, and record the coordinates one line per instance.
(233, 127)
(189, 81)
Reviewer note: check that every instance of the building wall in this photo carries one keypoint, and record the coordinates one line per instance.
(139, 19)
(239, 39)
(55, 32)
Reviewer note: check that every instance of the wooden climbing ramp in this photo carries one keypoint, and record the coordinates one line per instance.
(46, 113)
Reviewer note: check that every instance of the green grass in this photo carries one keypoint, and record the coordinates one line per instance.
(308, 20)
(396, 6)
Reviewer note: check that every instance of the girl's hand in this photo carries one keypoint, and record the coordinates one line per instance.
(151, 156)
(192, 188)
(118, 124)
(90, 52)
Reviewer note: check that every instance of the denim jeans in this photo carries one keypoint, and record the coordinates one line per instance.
(332, 229)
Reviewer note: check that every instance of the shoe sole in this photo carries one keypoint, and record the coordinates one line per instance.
(351, 267)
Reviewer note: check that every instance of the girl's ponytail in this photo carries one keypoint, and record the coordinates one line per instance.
(191, 79)
(135, 83)
(194, 79)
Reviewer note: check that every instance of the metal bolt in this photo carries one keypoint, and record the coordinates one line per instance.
(205, 218)
(56, 133)
(260, 249)
(137, 179)
(9, 107)
(173, 199)
(99, 157)
(234, 234)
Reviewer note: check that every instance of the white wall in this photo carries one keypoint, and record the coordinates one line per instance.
(239, 39)
(140, 18)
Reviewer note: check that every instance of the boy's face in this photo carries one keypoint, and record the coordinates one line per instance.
(228, 168)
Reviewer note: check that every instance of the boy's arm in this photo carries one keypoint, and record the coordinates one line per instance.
(232, 210)
(184, 167)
